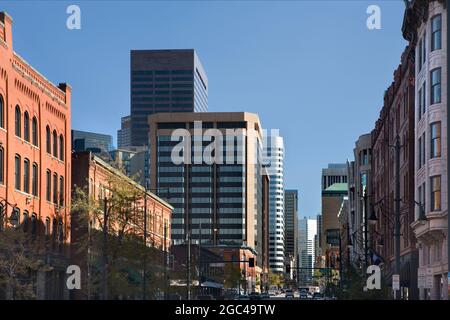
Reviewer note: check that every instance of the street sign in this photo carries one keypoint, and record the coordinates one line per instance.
(429, 279)
(396, 282)
(422, 278)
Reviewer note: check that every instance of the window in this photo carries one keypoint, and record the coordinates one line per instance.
(2, 165)
(436, 86)
(26, 176)
(34, 181)
(47, 228)
(26, 127)
(17, 173)
(34, 132)
(435, 133)
(55, 144)
(2, 112)
(61, 147)
(422, 197)
(15, 218)
(48, 190)
(436, 33)
(61, 191)
(422, 101)
(48, 140)
(33, 224)
(25, 221)
(435, 193)
(55, 188)
(18, 122)
(421, 155)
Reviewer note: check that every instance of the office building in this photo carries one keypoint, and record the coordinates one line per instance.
(124, 133)
(89, 141)
(164, 81)
(35, 171)
(220, 199)
(332, 198)
(291, 223)
(334, 173)
(306, 236)
(275, 165)
(359, 182)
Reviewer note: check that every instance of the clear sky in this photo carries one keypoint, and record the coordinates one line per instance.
(309, 68)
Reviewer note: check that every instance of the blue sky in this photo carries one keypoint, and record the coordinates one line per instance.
(309, 68)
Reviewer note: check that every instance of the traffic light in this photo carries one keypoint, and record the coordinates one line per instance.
(251, 262)
(288, 268)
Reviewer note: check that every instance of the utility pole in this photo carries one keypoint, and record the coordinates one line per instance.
(200, 261)
(189, 265)
(144, 267)
(366, 233)
(397, 210)
(105, 249)
(165, 260)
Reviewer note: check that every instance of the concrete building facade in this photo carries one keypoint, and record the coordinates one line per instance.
(425, 27)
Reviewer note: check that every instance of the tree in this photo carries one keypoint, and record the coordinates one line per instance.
(18, 262)
(232, 274)
(122, 200)
(275, 279)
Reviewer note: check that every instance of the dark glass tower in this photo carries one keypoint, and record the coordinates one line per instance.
(164, 81)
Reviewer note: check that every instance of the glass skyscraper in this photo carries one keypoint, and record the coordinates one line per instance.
(164, 81)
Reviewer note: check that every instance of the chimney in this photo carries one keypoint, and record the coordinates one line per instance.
(6, 29)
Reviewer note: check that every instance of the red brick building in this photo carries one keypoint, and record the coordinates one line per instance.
(94, 175)
(396, 118)
(35, 160)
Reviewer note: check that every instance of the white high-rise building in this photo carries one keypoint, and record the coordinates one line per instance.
(306, 249)
(275, 154)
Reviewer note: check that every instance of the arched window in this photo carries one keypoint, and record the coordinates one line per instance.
(15, 218)
(54, 230)
(18, 122)
(47, 228)
(17, 171)
(2, 112)
(48, 187)
(55, 188)
(55, 144)
(25, 221)
(34, 132)
(26, 176)
(61, 147)
(26, 126)
(34, 224)
(2, 166)
(48, 140)
(60, 233)
(61, 191)
(34, 180)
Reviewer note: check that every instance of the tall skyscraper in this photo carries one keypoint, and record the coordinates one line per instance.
(164, 81)
(290, 223)
(334, 173)
(223, 204)
(124, 133)
(275, 159)
(306, 247)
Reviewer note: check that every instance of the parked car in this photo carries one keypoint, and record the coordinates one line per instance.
(254, 296)
(205, 297)
(317, 296)
(264, 296)
(244, 297)
(303, 294)
(289, 294)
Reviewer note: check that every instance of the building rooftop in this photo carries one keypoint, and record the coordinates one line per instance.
(337, 187)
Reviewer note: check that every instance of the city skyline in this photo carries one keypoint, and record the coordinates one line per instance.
(93, 49)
